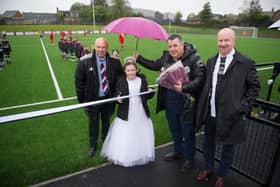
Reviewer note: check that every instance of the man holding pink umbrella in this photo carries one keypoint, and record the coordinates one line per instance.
(180, 105)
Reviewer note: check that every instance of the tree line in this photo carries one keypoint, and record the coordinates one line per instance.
(104, 10)
(251, 15)
(107, 10)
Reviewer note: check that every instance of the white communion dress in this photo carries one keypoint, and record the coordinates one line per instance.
(130, 143)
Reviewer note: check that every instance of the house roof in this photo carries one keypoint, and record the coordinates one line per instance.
(151, 13)
(68, 13)
(145, 12)
(10, 13)
(32, 15)
(268, 13)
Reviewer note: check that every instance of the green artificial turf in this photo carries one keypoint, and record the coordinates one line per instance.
(39, 149)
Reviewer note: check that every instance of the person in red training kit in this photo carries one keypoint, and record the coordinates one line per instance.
(62, 34)
(121, 40)
(51, 37)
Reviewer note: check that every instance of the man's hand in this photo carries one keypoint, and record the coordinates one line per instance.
(178, 87)
(136, 54)
(120, 100)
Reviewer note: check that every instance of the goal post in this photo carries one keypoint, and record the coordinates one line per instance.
(245, 31)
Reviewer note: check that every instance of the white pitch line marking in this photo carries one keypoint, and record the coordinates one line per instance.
(261, 69)
(57, 88)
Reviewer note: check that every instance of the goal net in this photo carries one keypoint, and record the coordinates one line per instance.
(251, 32)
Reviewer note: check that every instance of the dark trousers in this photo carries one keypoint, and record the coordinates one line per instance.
(94, 113)
(8, 58)
(183, 134)
(210, 146)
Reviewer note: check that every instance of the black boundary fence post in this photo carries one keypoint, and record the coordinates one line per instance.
(275, 169)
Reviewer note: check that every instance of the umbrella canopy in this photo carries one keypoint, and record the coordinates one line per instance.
(137, 26)
(275, 25)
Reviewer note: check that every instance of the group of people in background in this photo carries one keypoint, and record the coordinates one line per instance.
(218, 96)
(71, 49)
(5, 51)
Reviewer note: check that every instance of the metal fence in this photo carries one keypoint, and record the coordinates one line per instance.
(257, 157)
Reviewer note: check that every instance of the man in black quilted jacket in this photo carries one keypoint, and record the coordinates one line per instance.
(180, 104)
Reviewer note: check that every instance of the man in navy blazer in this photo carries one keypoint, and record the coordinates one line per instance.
(88, 82)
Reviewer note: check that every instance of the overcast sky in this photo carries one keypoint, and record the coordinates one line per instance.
(184, 6)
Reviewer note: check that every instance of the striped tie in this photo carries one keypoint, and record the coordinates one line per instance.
(221, 70)
(220, 78)
(103, 78)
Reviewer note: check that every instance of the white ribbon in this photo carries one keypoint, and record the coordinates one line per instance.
(28, 115)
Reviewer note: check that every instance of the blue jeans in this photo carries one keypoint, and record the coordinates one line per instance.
(183, 134)
(210, 146)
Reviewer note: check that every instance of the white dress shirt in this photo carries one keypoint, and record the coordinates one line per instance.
(229, 58)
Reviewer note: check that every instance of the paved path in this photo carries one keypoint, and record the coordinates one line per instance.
(157, 174)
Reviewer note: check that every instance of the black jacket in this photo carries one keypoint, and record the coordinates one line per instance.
(196, 75)
(239, 89)
(122, 90)
(6, 47)
(87, 80)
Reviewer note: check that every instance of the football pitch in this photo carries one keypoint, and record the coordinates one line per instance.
(38, 149)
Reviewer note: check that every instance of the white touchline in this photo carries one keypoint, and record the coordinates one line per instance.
(57, 88)
(261, 69)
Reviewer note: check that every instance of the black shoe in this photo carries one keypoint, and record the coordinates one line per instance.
(188, 165)
(173, 156)
(92, 151)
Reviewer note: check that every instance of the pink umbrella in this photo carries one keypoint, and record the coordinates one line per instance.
(137, 26)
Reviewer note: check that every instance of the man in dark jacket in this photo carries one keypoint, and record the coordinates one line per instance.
(230, 89)
(183, 131)
(95, 79)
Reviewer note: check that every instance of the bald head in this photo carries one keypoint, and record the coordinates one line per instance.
(225, 41)
(101, 40)
(227, 31)
(101, 46)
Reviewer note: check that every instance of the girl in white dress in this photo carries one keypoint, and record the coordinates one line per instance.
(130, 140)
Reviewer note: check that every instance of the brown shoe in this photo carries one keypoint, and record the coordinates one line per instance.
(203, 175)
(173, 156)
(220, 182)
